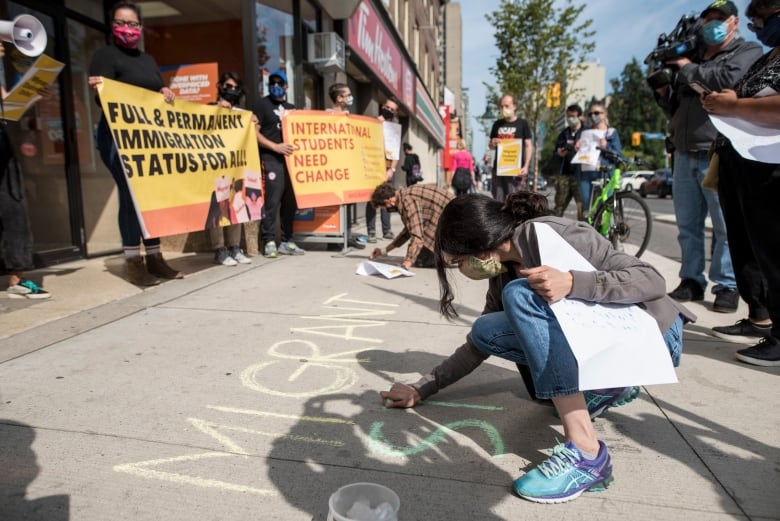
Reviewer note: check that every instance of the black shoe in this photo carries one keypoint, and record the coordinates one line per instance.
(726, 301)
(766, 353)
(742, 327)
(688, 289)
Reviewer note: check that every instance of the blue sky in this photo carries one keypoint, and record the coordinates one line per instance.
(624, 29)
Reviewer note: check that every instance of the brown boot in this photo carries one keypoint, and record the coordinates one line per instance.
(251, 233)
(137, 274)
(158, 267)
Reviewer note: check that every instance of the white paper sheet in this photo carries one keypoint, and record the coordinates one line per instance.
(588, 153)
(388, 271)
(392, 134)
(615, 345)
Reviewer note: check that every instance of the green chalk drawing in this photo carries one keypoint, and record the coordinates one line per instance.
(380, 445)
(463, 405)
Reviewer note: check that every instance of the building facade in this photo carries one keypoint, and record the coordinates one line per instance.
(381, 48)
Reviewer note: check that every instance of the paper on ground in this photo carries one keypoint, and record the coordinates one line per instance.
(386, 270)
(615, 345)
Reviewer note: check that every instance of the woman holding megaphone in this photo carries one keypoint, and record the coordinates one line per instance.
(124, 62)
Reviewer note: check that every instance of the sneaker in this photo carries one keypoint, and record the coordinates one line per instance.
(270, 250)
(389, 236)
(598, 401)
(238, 256)
(742, 327)
(354, 243)
(726, 301)
(372, 238)
(221, 256)
(688, 290)
(766, 353)
(565, 475)
(290, 248)
(27, 289)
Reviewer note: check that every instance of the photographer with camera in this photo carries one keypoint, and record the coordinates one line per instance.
(713, 64)
(567, 184)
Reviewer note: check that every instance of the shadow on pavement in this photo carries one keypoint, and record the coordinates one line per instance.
(19, 469)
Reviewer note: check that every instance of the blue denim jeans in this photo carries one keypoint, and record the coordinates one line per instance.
(528, 333)
(586, 178)
(691, 205)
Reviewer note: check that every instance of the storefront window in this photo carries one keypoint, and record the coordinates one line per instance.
(275, 31)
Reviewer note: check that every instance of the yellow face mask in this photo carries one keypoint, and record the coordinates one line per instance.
(479, 269)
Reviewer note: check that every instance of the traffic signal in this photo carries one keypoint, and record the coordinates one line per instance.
(636, 139)
(554, 95)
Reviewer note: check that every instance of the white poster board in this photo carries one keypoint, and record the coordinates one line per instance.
(615, 345)
(588, 153)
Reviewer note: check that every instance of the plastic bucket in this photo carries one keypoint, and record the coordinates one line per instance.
(341, 501)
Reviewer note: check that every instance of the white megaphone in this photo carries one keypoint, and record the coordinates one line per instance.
(26, 33)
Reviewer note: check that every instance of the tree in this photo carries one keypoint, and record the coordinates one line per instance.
(633, 109)
(540, 45)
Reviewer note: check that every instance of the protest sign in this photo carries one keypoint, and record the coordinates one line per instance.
(338, 159)
(175, 155)
(588, 153)
(392, 135)
(27, 90)
(196, 82)
(510, 157)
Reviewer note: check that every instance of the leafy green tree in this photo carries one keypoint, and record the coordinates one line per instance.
(539, 45)
(633, 109)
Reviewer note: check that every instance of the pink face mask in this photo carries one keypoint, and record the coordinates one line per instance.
(127, 36)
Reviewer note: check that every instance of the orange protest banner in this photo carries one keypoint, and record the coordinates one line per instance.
(338, 159)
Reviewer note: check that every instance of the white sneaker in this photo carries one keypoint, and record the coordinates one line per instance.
(222, 256)
(238, 255)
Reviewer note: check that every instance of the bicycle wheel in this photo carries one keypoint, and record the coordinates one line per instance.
(626, 221)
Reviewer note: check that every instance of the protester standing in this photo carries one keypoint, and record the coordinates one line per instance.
(510, 126)
(566, 146)
(123, 61)
(750, 190)
(724, 59)
(279, 195)
(387, 112)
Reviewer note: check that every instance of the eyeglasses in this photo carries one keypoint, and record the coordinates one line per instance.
(122, 23)
(756, 24)
(595, 113)
(276, 82)
(230, 86)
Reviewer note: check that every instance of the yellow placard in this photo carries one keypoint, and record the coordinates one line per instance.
(510, 157)
(339, 158)
(27, 91)
(183, 160)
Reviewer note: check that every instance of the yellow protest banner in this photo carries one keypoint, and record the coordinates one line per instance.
(189, 166)
(339, 158)
(27, 91)
(510, 157)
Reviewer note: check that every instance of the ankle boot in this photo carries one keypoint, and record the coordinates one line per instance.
(157, 266)
(137, 274)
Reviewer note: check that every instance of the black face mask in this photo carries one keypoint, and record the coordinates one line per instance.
(386, 114)
(232, 96)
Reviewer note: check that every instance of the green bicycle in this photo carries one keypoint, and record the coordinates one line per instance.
(620, 216)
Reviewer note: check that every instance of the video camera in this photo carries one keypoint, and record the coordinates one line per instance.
(682, 42)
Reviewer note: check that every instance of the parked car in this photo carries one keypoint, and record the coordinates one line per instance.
(633, 180)
(660, 184)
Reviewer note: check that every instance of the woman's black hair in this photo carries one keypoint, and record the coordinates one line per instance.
(124, 5)
(473, 224)
(225, 76)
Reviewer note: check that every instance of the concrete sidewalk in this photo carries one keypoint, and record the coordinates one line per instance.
(251, 393)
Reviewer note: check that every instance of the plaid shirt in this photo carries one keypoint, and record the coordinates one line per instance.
(420, 207)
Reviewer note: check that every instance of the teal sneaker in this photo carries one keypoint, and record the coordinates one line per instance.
(270, 250)
(601, 400)
(27, 289)
(565, 475)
